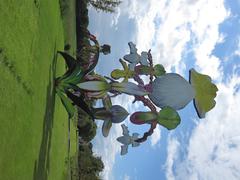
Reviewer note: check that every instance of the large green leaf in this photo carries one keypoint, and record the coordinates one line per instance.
(74, 77)
(79, 101)
(70, 61)
(67, 104)
(205, 92)
(71, 64)
(169, 118)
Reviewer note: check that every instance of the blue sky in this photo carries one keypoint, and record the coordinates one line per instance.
(200, 34)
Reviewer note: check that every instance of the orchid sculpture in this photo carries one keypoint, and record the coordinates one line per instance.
(109, 114)
(134, 58)
(126, 73)
(168, 91)
(127, 140)
(174, 91)
(97, 87)
(167, 117)
(66, 83)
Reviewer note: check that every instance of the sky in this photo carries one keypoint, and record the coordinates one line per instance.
(182, 34)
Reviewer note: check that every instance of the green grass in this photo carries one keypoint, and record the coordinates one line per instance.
(34, 124)
(68, 10)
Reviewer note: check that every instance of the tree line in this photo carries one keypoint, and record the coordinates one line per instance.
(105, 5)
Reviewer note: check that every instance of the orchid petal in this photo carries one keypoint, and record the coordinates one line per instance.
(124, 140)
(97, 95)
(143, 58)
(132, 47)
(117, 74)
(125, 130)
(205, 92)
(135, 144)
(135, 136)
(102, 114)
(171, 90)
(132, 58)
(94, 85)
(124, 149)
(169, 118)
(143, 117)
(119, 114)
(129, 88)
(132, 66)
(106, 128)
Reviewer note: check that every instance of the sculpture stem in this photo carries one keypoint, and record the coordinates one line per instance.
(147, 134)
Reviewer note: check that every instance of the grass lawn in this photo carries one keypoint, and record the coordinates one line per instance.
(68, 9)
(34, 124)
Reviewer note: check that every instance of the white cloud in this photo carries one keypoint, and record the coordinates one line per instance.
(126, 177)
(156, 136)
(168, 26)
(172, 149)
(237, 51)
(214, 146)
(115, 17)
(107, 148)
(206, 29)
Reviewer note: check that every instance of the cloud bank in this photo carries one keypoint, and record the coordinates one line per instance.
(173, 30)
(214, 146)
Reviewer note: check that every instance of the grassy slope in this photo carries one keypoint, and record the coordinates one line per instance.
(33, 122)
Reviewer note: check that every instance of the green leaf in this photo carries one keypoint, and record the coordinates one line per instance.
(205, 92)
(76, 75)
(79, 101)
(169, 118)
(70, 61)
(159, 70)
(67, 104)
(73, 77)
(71, 64)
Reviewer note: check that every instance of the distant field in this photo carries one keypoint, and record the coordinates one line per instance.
(34, 124)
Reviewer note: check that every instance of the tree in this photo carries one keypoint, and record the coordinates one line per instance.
(88, 130)
(97, 164)
(90, 166)
(105, 5)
